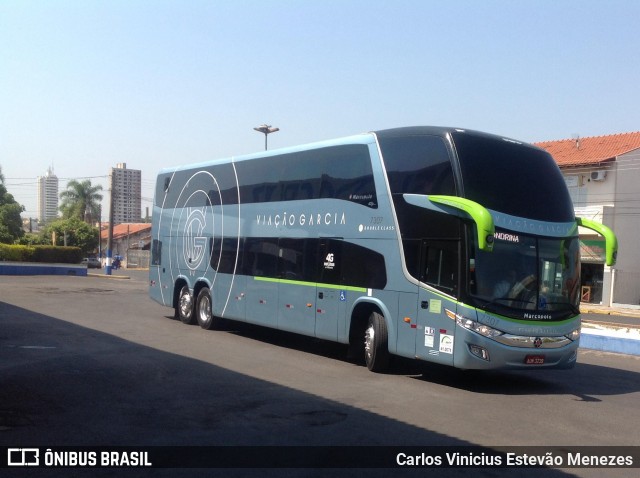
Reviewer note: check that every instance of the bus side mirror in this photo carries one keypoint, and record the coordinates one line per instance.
(611, 241)
(463, 208)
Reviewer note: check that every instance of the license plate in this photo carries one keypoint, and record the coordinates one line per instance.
(534, 359)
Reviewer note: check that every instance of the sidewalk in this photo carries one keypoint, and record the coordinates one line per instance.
(615, 309)
(611, 336)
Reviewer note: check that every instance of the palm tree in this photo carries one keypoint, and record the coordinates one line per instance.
(81, 200)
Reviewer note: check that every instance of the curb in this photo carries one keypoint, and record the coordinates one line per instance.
(38, 268)
(105, 276)
(605, 343)
(629, 312)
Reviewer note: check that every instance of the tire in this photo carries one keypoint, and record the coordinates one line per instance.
(376, 348)
(204, 313)
(184, 308)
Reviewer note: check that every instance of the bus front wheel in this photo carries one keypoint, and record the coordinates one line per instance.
(184, 309)
(376, 349)
(204, 312)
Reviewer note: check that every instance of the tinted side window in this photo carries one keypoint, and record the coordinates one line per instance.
(417, 165)
(162, 186)
(260, 257)
(349, 264)
(363, 267)
(440, 265)
(420, 223)
(297, 259)
(330, 261)
(214, 184)
(339, 172)
(156, 252)
(223, 255)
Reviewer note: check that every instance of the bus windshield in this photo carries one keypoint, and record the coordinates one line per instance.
(527, 277)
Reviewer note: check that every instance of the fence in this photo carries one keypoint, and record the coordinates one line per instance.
(138, 259)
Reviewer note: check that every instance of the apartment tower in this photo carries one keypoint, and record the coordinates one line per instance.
(127, 192)
(47, 196)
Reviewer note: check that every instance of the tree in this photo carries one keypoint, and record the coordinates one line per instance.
(10, 220)
(79, 199)
(77, 233)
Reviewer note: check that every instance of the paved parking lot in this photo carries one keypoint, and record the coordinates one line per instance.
(93, 361)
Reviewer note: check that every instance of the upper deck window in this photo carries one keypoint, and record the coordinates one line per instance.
(417, 164)
(338, 172)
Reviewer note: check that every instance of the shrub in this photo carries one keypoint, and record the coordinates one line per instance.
(60, 254)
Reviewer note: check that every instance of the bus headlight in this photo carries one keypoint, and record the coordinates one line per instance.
(477, 327)
(575, 335)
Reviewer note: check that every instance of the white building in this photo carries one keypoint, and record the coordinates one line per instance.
(47, 196)
(603, 174)
(127, 192)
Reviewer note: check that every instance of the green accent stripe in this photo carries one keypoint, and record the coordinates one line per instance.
(311, 284)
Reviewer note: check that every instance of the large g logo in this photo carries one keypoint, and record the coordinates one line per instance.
(195, 242)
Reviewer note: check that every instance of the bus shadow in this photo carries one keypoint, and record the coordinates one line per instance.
(585, 381)
(289, 340)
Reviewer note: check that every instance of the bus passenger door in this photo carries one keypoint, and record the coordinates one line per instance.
(228, 288)
(439, 270)
(260, 262)
(330, 298)
(297, 288)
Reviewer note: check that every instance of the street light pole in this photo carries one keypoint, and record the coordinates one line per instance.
(266, 129)
(107, 269)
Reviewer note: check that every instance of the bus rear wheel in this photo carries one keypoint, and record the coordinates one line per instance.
(376, 348)
(204, 313)
(184, 309)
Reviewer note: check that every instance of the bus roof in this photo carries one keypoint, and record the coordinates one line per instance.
(362, 138)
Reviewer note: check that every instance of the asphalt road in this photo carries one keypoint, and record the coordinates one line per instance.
(93, 361)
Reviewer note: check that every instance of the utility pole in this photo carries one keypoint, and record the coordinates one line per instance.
(110, 235)
(100, 232)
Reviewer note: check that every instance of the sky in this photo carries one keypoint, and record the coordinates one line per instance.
(87, 84)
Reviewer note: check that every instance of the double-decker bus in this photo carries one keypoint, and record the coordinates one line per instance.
(440, 244)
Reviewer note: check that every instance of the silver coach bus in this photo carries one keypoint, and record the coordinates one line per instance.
(440, 244)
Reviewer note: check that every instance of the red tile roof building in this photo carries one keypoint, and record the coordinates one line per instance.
(595, 150)
(124, 230)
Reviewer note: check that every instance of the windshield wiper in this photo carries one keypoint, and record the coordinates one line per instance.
(491, 305)
(507, 299)
(572, 308)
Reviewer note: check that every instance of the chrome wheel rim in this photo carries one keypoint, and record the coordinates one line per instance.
(369, 336)
(205, 309)
(186, 304)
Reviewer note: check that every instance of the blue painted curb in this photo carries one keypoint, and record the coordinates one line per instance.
(34, 268)
(610, 344)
